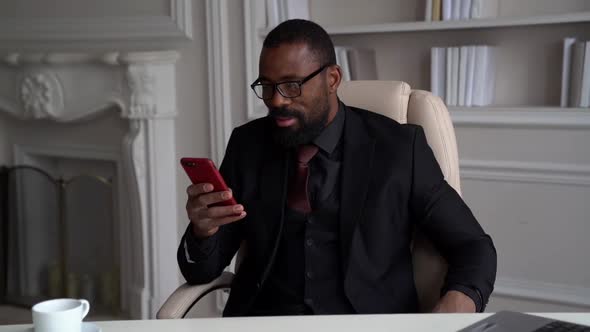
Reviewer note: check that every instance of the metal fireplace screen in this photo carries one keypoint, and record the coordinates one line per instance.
(57, 238)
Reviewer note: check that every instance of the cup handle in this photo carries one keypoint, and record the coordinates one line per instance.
(85, 307)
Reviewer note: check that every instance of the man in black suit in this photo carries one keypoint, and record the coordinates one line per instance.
(329, 198)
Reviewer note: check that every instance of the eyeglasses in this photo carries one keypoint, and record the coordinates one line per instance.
(287, 89)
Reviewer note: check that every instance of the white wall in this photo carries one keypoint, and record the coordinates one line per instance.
(192, 122)
(530, 189)
(240, 87)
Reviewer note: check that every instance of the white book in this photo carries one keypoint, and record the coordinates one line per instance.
(337, 52)
(436, 10)
(342, 61)
(475, 9)
(470, 76)
(578, 55)
(448, 75)
(585, 92)
(465, 9)
(484, 9)
(462, 75)
(273, 15)
(428, 11)
(456, 14)
(297, 9)
(490, 88)
(566, 68)
(455, 76)
(447, 10)
(479, 86)
(438, 71)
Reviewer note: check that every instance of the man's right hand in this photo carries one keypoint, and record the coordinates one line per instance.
(205, 221)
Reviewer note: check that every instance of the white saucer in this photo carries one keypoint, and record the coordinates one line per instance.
(90, 327)
(86, 327)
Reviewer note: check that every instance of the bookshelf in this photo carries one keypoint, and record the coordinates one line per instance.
(527, 36)
(453, 25)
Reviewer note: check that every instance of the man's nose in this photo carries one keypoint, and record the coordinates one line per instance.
(278, 100)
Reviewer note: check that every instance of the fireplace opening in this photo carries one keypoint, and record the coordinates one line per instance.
(59, 233)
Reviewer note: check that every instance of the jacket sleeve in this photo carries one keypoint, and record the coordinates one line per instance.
(445, 218)
(202, 260)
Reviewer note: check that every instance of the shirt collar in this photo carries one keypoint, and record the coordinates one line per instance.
(330, 136)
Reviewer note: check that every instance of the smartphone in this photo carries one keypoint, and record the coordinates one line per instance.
(203, 170)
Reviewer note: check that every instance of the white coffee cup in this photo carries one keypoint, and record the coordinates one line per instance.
(60, 315)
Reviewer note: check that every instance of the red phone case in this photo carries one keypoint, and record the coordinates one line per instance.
(203, 170)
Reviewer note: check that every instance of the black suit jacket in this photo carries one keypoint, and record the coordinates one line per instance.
(391, 183)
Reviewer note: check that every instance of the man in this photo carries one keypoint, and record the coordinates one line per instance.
(329, 197)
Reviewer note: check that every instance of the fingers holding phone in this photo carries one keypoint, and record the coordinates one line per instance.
(210, 201)
(206, 212)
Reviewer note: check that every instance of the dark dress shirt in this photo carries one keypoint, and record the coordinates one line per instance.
(306, 277)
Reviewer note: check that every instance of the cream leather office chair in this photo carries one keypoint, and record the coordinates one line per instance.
(395, 100)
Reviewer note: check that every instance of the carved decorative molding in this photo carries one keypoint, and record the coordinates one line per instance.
(41, 95)
(525, 172)
(114, 58)
(521, 117)
(142, 83)
(138, 154)
(42, 87)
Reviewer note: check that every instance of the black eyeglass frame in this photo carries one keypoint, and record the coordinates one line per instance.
(277, 88)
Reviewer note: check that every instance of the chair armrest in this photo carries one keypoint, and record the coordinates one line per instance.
(184, 297)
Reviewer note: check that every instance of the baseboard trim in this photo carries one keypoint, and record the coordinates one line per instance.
(542, 291)
(525, 172)
(521, 117)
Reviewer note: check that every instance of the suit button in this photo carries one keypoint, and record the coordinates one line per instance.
(308, 301)
(310, 220)
(309, 242)
(309, 275)
(258, 285)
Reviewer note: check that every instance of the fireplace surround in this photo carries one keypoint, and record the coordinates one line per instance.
(140, 88)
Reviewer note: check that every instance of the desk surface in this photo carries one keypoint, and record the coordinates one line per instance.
(365, 323)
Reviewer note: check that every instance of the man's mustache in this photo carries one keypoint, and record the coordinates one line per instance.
(284, 112)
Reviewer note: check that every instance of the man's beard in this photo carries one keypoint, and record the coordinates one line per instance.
(309, 128)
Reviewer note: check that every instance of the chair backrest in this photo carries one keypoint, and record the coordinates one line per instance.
(399, 102)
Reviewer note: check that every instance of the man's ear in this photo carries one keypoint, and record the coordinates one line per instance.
(334, 78)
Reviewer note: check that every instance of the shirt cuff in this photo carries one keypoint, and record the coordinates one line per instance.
(472, 292)
(196, 249)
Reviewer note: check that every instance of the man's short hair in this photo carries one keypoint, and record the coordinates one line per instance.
(307, 32)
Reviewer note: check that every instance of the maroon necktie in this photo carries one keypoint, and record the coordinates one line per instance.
(298, 199)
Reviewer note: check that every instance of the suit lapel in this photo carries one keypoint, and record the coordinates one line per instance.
(357, 159)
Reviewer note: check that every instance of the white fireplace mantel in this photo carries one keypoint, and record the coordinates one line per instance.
(67, 87)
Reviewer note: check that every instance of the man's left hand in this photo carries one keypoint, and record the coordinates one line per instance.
(454, 301)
